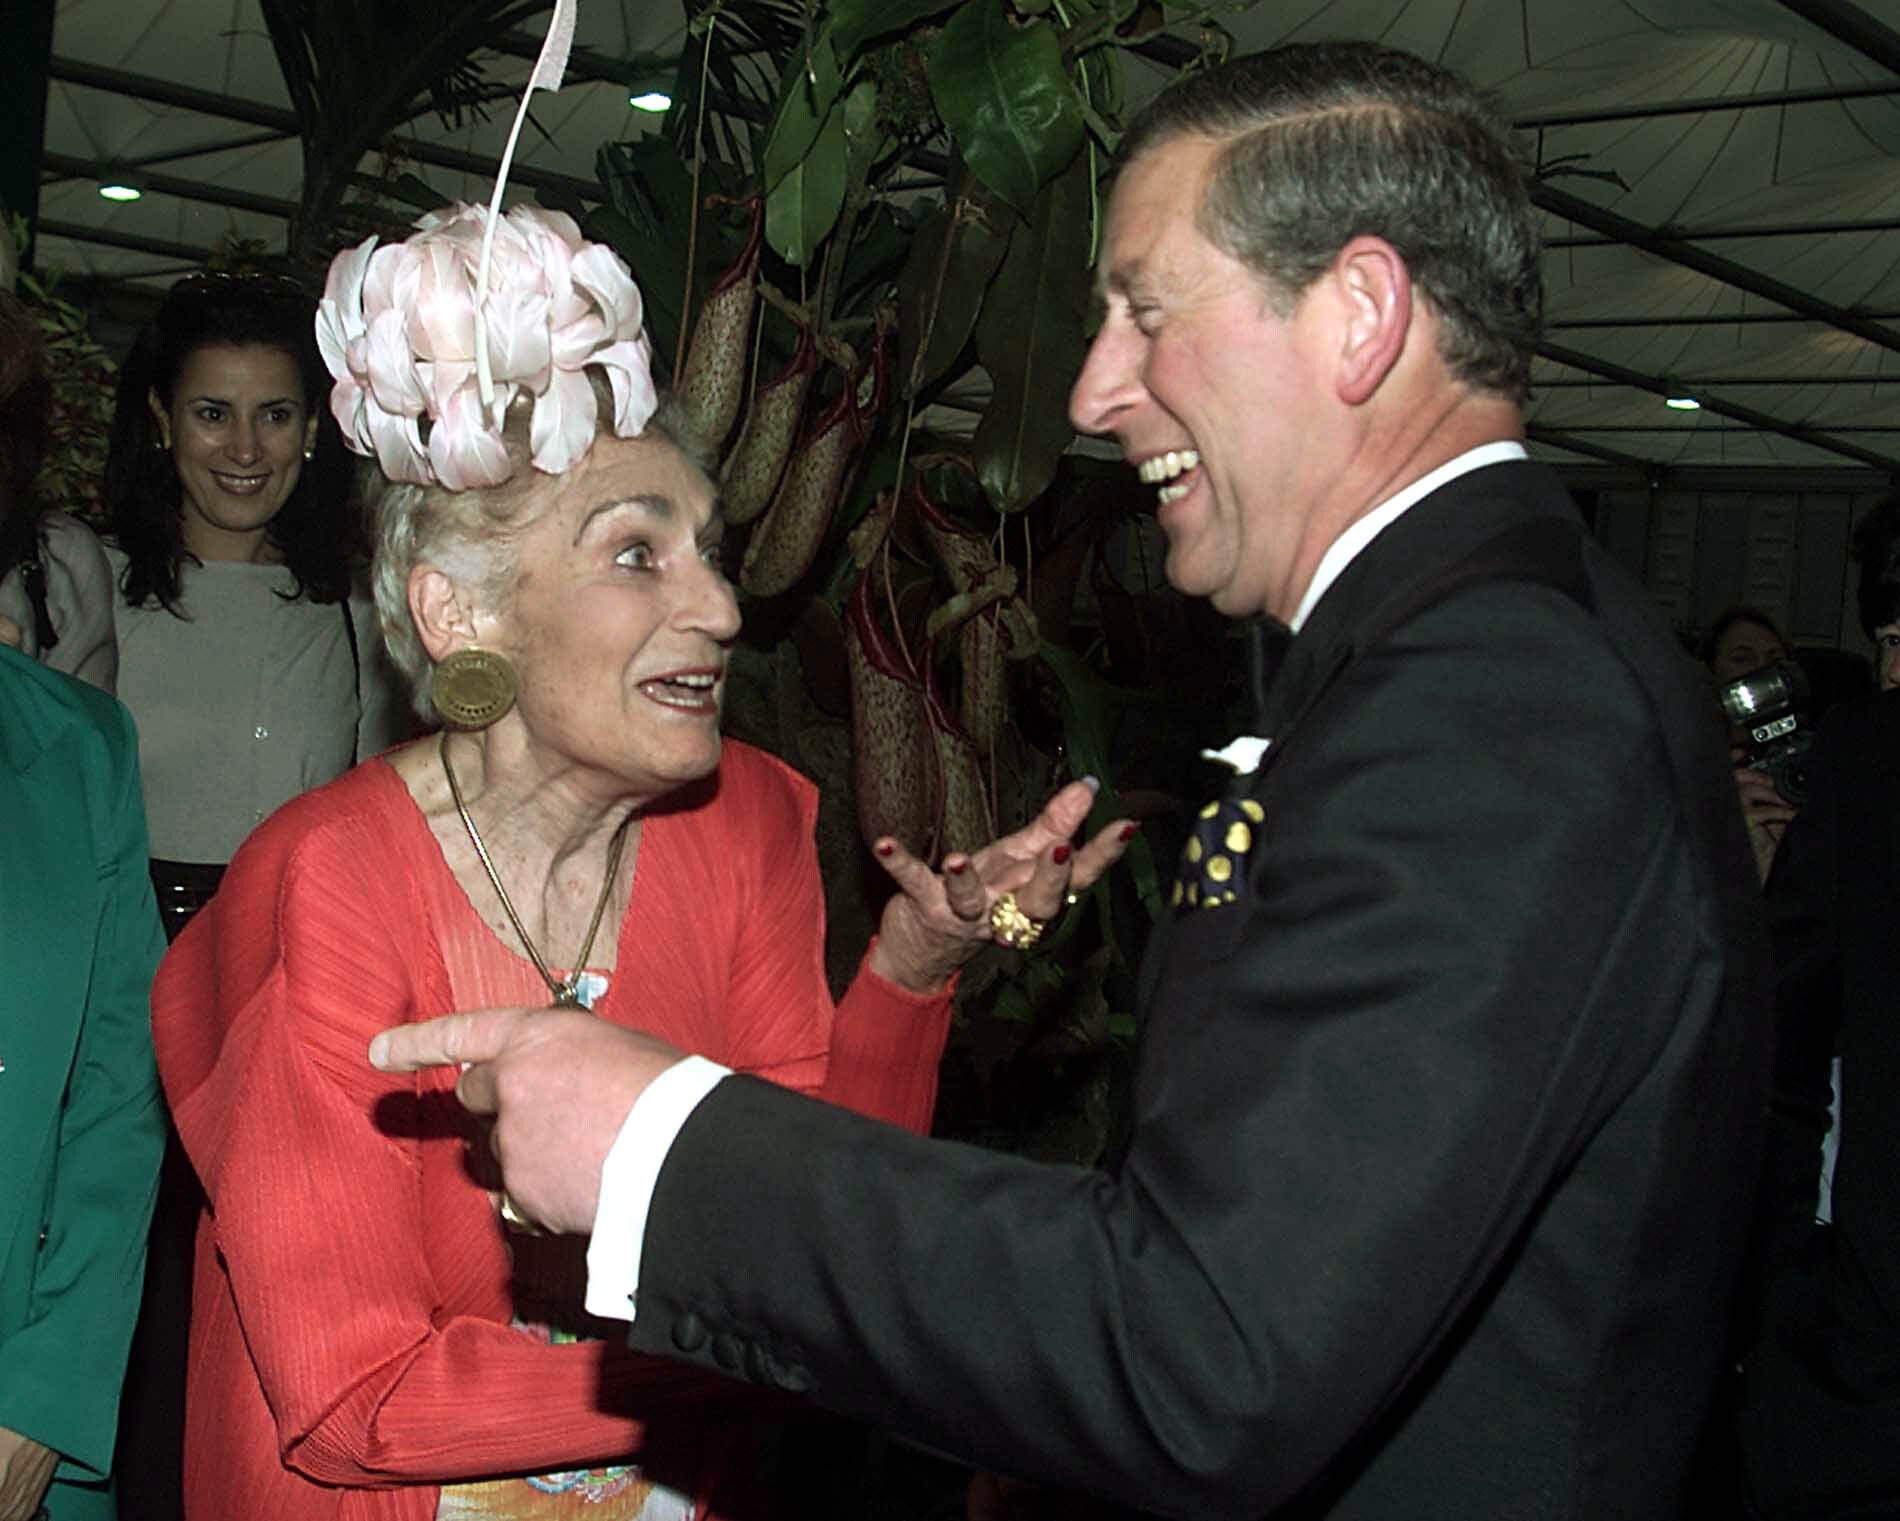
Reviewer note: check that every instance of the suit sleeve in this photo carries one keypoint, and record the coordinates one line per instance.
(1356, 1085)
(64, 1369)
(312, 1163)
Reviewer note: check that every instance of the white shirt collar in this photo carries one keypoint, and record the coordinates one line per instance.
(1347, 546)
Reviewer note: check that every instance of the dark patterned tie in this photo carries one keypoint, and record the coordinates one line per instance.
(1214, 861)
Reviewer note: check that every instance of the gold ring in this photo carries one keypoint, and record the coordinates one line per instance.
(1013, 927)
(512, 1217)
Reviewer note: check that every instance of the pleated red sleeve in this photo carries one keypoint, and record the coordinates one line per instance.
(878, 1051)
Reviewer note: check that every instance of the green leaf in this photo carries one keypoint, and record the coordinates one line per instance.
(953, 259)
(649, 208)
(649, 203)
(1003, 92)
(861, 130)
(803, 207)
(1030, 338)
(811, 88)
(1090, 705)
(856, 22)
(880, 243)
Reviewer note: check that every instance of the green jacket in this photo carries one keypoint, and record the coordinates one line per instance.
(80, 1123)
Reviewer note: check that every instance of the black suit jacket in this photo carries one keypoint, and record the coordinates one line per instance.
(1442, 1129)
(1822, 1419)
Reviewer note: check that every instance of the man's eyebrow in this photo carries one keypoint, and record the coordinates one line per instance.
(1120, 279)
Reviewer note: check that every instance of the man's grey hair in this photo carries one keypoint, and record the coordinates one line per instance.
(473, 536)
(1325, 142)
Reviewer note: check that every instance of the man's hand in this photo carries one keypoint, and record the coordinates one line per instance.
(559, 1084)
(26, 1468)
(11, 633)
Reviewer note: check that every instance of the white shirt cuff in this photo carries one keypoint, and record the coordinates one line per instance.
(629, 1176)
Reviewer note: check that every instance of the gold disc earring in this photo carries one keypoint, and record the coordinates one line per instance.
(471, 688)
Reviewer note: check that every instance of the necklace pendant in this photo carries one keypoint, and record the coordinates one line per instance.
(567, 993)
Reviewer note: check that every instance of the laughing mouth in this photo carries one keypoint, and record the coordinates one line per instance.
(693, 691)
(240, 482)
(1166, 470)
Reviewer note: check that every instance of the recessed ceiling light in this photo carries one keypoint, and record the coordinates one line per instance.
(1683, 403)
(652, 100)
(113, 190)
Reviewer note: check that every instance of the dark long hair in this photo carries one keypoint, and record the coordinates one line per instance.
(316, 530)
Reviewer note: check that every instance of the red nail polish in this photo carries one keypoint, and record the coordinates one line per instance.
(956, 869)
(885, 849)
(1129, 831)
(1060, 854)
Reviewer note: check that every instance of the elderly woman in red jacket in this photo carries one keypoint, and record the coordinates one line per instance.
(369, 1337)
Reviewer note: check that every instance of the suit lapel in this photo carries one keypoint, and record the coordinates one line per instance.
(1407, 566)
(1423, 547)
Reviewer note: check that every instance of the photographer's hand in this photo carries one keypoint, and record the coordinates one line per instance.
(1766, 813)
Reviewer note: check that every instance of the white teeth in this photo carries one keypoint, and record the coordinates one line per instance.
(693, 691)
(1173, 493)
(1165, 467)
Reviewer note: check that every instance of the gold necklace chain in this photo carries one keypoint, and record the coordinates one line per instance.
(566, 993)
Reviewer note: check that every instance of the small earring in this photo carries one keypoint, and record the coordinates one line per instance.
(472, 688)
(310, 453)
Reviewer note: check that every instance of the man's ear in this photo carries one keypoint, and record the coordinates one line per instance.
(443, 614)
(1374, 289)
(161, 417)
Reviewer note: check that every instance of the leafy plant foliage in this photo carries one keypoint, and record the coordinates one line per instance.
(980, 606)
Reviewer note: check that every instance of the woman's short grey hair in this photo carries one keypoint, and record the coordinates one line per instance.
(1325, 142)
(473, 535)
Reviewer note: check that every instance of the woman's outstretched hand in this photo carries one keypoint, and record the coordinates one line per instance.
(940, 918)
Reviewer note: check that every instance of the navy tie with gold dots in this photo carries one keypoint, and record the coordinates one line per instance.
(1214, 860)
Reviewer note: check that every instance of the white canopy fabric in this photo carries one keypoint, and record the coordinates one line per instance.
(1721, 185)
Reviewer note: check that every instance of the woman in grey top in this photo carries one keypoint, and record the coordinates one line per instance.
(252, 670)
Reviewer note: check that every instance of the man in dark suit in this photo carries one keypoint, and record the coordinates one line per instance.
(1821, 1414)
(1444, 1113)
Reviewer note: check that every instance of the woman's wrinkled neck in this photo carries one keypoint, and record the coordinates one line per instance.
(515, 787)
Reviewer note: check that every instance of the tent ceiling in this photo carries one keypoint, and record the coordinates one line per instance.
(1720, 186)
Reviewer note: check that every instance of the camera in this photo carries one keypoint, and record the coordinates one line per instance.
(1765, 703)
